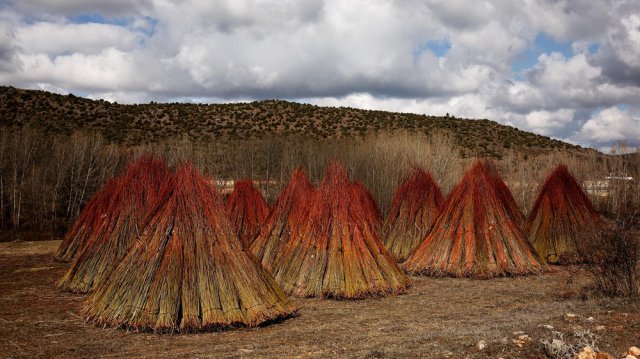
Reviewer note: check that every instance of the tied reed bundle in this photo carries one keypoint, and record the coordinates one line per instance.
(561, 214)
(135, 192)
(336, 252)
(414, 209)
(187, 271)
(100, 214)
(477, 233)
(247, 210)
(286, 217)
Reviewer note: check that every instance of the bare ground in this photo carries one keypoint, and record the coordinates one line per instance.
(436, 318)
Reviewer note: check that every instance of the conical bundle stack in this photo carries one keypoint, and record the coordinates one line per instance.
(414, 209)
(247, 210)
(337, 253)
(104, 206)
(121, 222)
(286, 217)
(188, 271)
(561, 214)
(87, 222)
(477, 233)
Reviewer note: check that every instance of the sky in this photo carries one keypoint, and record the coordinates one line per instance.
(567, 69)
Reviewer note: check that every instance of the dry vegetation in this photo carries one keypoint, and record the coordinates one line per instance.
(436, 318)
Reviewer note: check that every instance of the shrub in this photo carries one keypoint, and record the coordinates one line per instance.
(611, 256)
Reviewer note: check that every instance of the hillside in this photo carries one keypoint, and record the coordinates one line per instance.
(146, 123)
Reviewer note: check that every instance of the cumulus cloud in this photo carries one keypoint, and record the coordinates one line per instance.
(611, 125)
(370, 54)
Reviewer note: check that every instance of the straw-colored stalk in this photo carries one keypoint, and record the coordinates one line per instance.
(561, 215)
(477, 233)
(414, 209)
(135, 192)
(187, 271)
(247, 210)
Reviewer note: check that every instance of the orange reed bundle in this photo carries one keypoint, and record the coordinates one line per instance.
(287, 215)
(476, 234)
(247, 210)
(561, 214)
(120, 224)
(103, 210)
(415, 207)
(187, 271)
(337, 253)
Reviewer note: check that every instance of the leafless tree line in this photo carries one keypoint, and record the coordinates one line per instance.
(45, 180)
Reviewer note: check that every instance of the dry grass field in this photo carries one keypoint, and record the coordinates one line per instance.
(436, 318)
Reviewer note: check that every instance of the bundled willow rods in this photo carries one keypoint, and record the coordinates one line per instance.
(414, 209)
(120, 224)
(477, 233)
(561, 215)
(188, 270)
(287, 215)
(247, 210)
(337, 252)
(101, 213)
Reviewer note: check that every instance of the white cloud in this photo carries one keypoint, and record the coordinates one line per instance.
(54, 38)
(369, 54)
(609, 126)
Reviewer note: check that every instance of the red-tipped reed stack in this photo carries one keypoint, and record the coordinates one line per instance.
(247, 210)
(477, 233)
(561, 215)
(105, 209)
(336, 252)
(136, 191)
(187, 271)
(414, 209)
(286, 217)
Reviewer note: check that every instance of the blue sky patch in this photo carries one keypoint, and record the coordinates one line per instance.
(437, 47)
(543, 44)
(99, 19)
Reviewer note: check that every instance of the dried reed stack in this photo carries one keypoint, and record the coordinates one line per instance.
(414, 209)
(286, 217)
(561, 214)
(87, 223)
(247, 210)
(136, 192)
(477, 233)
(337, 253)
(188, 271)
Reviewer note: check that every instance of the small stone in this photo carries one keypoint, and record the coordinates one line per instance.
(447, 354)
(558, 345)
(504, 340)
(570, 316)
(634, 351)
(629, 356)
(519, 332)
(481, 345)
(591, 319)
(586, 353)
(599, 328)
(521, 340)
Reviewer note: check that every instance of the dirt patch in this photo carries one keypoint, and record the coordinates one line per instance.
(436, 318)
